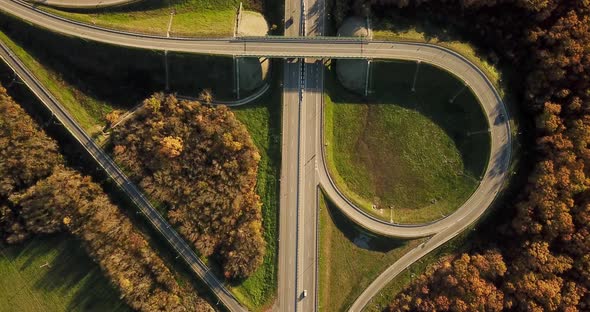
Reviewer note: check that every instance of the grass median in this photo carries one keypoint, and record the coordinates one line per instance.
(406, 156)
(263, 120)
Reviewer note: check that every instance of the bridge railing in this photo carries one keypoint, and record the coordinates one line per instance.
(299, 38)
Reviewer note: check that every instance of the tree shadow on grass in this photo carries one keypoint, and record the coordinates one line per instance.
(359, 236)
(437, 95)
(70, 269)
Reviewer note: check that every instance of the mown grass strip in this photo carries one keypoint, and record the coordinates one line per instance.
(262, 118)
(87, 111)
(54, 274)
(350, 258)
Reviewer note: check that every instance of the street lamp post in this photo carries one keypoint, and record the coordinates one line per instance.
(391, 214)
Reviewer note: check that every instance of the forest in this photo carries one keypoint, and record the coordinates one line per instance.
(200, 164)
(539, 257)
(40, 194)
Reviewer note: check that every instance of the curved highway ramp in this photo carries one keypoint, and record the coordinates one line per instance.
(304, 47)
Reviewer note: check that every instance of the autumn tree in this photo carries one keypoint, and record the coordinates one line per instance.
(109, 237)
(39, 195)
(206, 96)
(200, 162)
(467, 283)
(171, 146)
(27, 155)
(547, 242)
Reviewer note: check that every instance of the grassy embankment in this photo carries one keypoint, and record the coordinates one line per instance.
(421, 30)
(85, 109)
(199, 18)
(351, 258)
(263, 120)
(414, 155)
(54, 274)
(99, 78)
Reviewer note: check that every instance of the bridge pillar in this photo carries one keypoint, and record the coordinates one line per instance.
(415, 76)
(166, 73)
(368, 77)
(236, 68)
(451, 100)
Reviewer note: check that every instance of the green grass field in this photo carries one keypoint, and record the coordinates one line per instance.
(198, 18)
(411, 151)
(53, 274)
(263, 120)
(87, 110)
(351, 258)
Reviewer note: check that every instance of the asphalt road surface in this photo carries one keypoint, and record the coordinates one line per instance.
(289, 189)
(113, 171)
(312, 102)
(289, 185)
(444, 229)
(309, 137)
(302, 92)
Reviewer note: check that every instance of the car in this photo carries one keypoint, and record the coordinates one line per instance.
(289, 22)
(304, 294)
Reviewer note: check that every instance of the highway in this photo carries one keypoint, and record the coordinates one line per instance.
(308, 232)
(298, 132)
(288, 290)
(311, 106)
(302, 99)
(289, 189)
(113, 171)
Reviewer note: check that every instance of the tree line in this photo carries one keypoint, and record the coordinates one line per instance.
(40, 195)
(200, 163)
(542, 262)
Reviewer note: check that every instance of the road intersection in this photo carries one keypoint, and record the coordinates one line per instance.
(304, 167)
